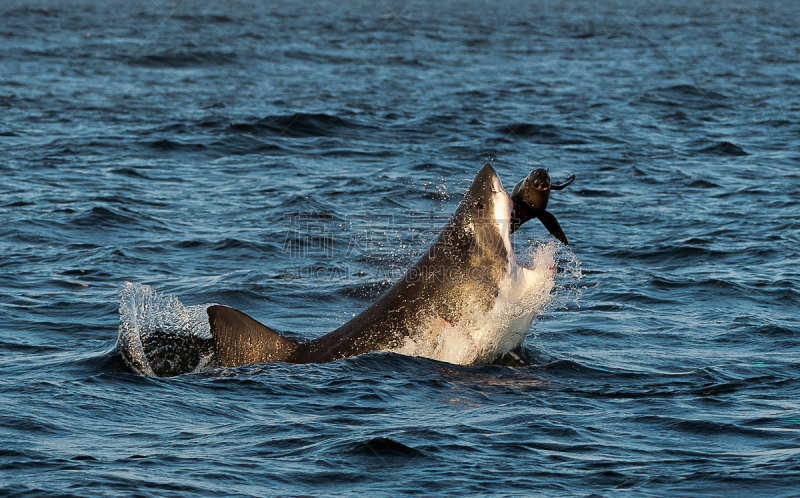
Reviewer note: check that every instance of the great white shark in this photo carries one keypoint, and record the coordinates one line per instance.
(465, 301)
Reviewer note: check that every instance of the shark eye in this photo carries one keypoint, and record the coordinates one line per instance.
(479, 205)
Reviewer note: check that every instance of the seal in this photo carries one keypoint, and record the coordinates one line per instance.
(461, 303)
(530, 197)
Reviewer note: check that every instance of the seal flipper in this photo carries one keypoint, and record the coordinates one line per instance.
(564, 184)
(551, 224)
(241, 340)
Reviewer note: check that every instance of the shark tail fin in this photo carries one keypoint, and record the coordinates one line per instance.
(241, 340)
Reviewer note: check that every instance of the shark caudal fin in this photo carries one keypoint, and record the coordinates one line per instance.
(240, 340)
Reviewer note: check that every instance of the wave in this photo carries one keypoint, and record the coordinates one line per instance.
(100, 216)
(703, 184)
(242, 145)
(686, 96)
(540, 134)
(30, 11)
(588, 192)
(16, 347)
(705, 427)
(166, 145)
(229, 244)
(182, 59)
(320, 57)
(272, 135)
(203, 19)
(681, 118)
(663, 253)
(296, 125)
(381, 447)
(776, 332)
(717, 148)
(130, 173)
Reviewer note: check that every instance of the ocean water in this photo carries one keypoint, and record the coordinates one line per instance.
(292, 159)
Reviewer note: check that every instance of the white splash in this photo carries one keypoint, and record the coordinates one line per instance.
(143, 311)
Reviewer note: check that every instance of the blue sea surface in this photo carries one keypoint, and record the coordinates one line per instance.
(292, 159)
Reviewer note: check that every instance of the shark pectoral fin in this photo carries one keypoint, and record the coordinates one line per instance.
(551, 224)
(241, 340)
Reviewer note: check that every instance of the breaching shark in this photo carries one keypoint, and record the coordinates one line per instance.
(465, 301)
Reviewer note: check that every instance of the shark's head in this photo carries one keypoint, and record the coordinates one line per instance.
(472, 254)
(477, 234)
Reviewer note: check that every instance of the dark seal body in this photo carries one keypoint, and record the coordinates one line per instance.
(530, 197)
